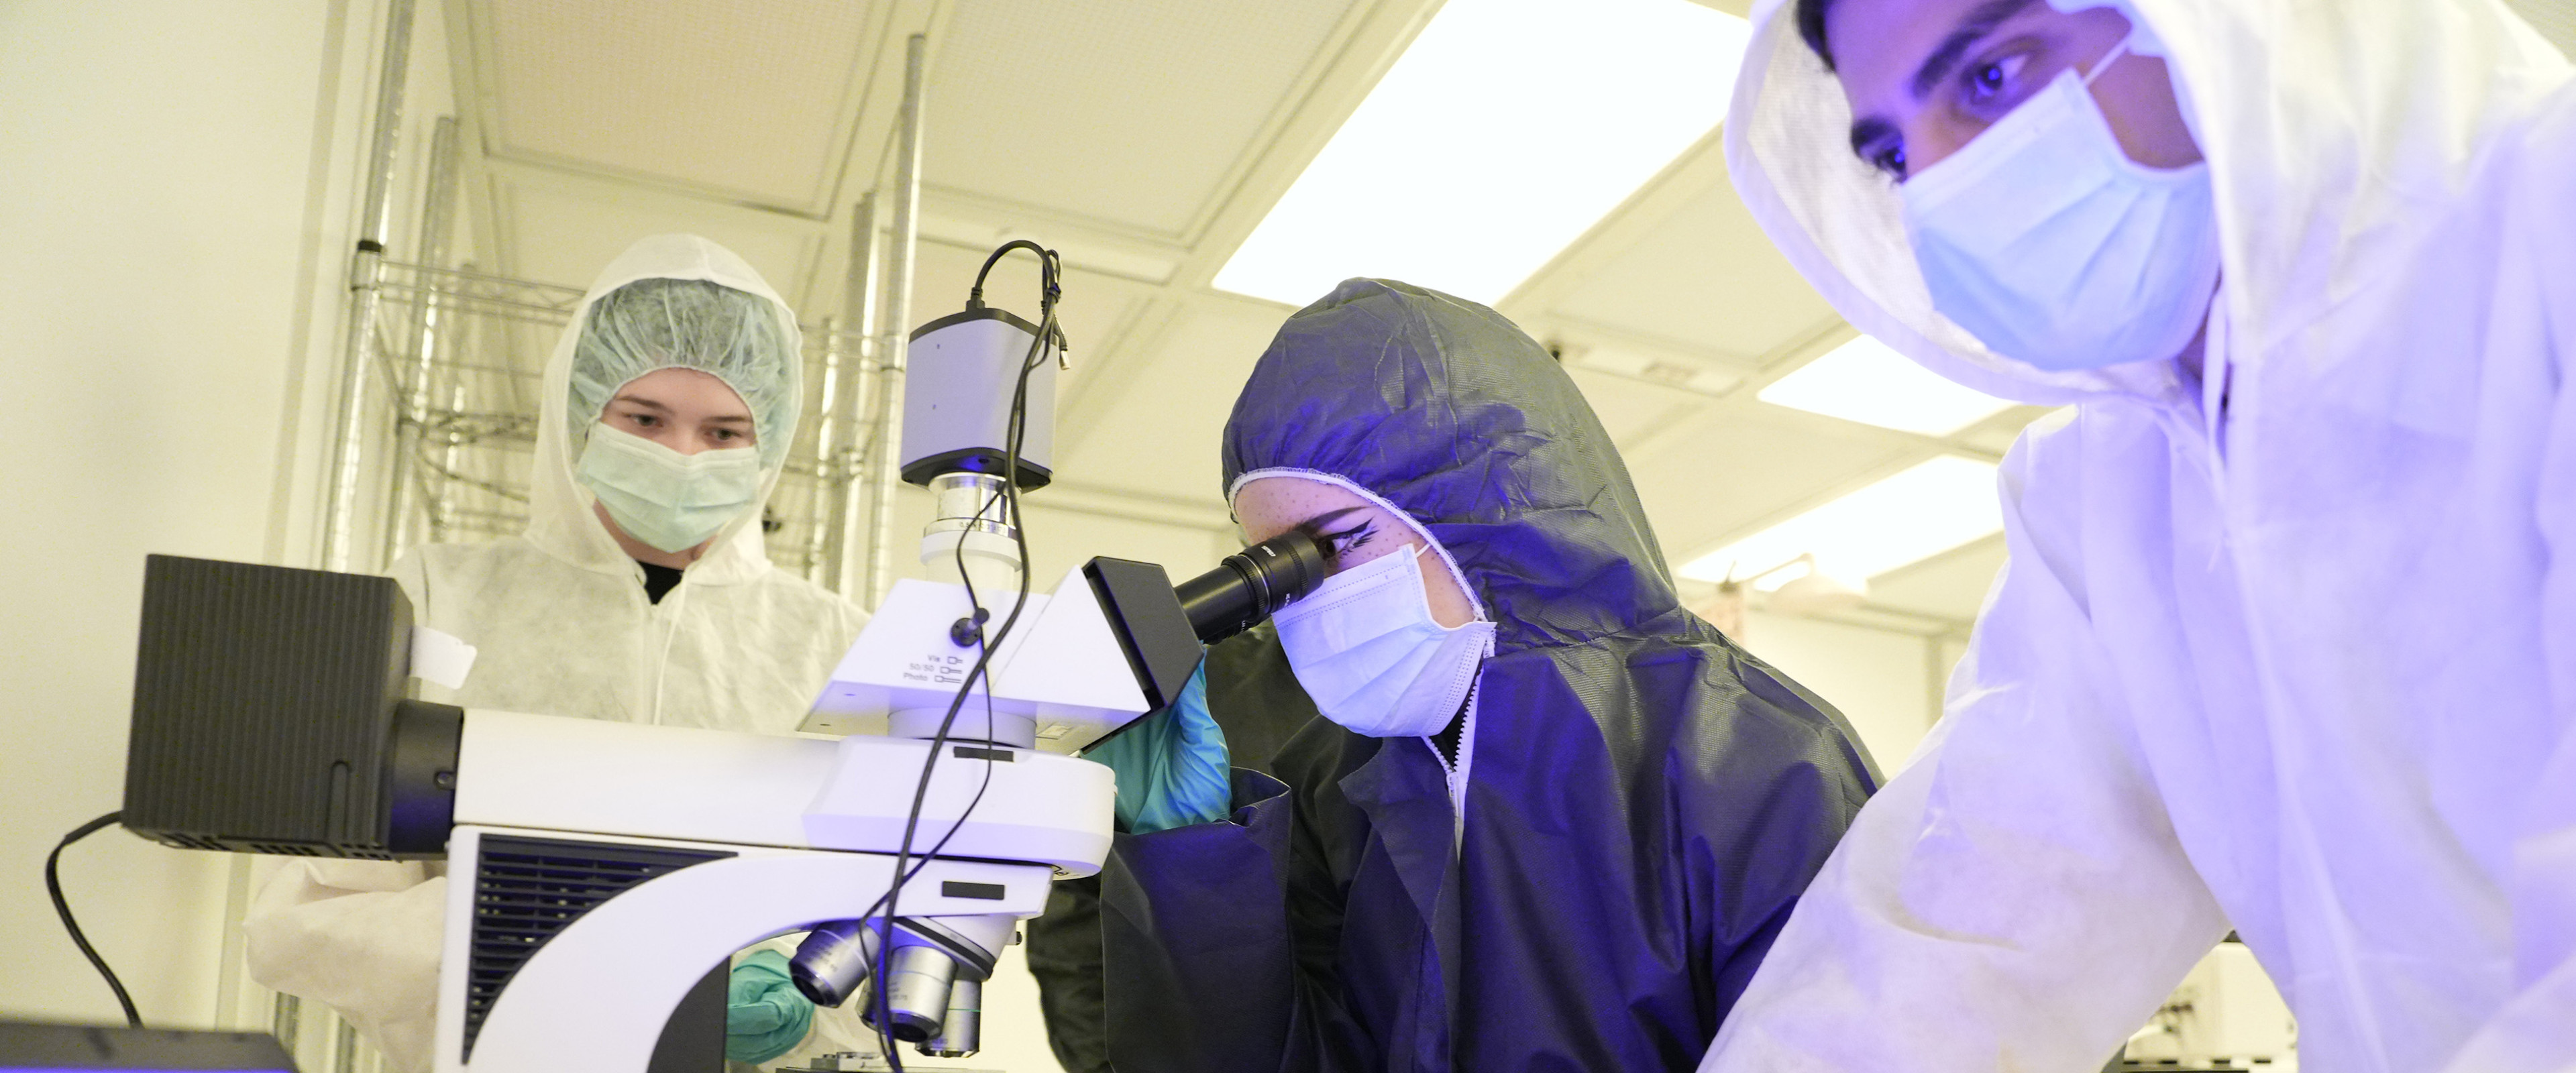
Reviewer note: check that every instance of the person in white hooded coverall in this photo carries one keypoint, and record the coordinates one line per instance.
(2286, 640)
(562, 618)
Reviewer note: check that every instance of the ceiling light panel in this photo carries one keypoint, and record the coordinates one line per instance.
(1868, 381)
(1502, 134)
(1919, 513)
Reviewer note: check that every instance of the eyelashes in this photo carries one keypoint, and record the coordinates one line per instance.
(1340, 543)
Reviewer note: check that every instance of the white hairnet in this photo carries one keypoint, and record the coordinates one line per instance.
(654, 324)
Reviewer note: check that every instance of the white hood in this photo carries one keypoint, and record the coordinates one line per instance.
(2295, 665)
(2337, 132)
(560, 520)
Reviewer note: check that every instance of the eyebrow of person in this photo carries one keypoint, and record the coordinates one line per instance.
(640, 400)
(1327, 518)
(730, 419)
(1314, 526)
(1980, 21)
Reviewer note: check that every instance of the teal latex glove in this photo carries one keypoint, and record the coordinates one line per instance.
(1171, 765)
(765, 1016)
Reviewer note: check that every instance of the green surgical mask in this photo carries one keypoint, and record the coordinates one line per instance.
(664, 498)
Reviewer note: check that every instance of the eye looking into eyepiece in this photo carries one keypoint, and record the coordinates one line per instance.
(1251, 584)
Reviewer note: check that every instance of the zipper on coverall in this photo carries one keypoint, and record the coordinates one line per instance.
(1456, 772)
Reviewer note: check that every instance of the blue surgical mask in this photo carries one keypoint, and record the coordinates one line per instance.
(1366, 649)
(664, 498)
(2046, 242)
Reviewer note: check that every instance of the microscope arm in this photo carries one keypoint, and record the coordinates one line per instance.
(552, 773)
(599, 869)
(577, 1002)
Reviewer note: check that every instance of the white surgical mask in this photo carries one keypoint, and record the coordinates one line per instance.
(664, 498)
(1366, 649)
(2045, 241)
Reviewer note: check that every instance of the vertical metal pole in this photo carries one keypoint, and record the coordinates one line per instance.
(896, 326)
(442, 499)
(366, 280)
(344, 1049)
(827, 460)
(284, 1018)
(437, 217)
(339, 509)
(852, 478)
(465, 335)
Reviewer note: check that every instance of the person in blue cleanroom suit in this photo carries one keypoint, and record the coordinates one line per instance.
(1251, 693)
(1548, 819)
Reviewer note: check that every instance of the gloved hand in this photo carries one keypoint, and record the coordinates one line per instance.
(1171, 765)
(765, 1016)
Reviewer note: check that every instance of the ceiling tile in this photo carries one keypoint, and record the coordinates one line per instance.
(621, 118)
(1628, 408)
(566, 232)
(1707, 277)
(1950, 585)
(1737, 467)
(749, 97)
(1997, 433)
(1121, 110)
(1094, 311)
(1158, 432)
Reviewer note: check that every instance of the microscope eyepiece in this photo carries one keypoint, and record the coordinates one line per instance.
(1251, 584)
(1162, 628)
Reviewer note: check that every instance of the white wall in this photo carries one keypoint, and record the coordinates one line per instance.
(1887, 683)
(1062, 538)
(177, 195)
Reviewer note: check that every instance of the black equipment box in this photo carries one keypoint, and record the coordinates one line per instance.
(61, 1047)
(266, 707)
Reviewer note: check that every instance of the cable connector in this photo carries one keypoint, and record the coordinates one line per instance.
(969, 631)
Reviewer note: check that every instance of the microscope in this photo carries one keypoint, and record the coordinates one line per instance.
(602, 875)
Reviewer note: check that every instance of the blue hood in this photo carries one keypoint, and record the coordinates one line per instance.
(1449, 411)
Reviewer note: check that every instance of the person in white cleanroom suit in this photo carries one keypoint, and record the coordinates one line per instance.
(640, 593)
(2286, 641)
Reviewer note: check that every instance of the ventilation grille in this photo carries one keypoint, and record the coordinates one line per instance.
(526, 890)
(281, 849)
(227, 844)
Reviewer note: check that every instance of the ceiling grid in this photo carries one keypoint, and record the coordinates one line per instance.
(1145, 139)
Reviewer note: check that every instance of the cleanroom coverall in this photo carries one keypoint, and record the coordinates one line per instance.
(2292, 650)
(561, 626)
(1253, 695)
(1635, 802)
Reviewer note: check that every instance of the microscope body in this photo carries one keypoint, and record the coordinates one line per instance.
(599, 870)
